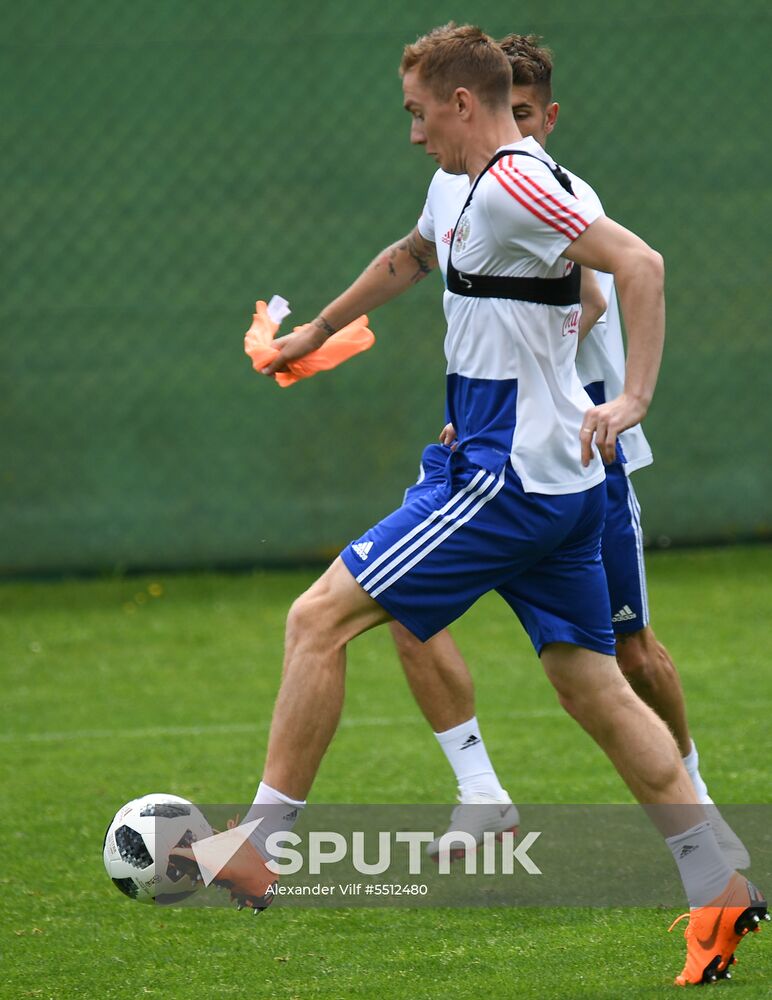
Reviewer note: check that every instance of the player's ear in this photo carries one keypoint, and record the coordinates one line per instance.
(552, 116)
(462, 100)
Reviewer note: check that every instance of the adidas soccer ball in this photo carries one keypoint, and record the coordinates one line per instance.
(137, 845)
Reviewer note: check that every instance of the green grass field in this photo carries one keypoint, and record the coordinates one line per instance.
(116, 687)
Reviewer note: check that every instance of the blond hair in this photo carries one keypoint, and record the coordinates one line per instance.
(450, 56)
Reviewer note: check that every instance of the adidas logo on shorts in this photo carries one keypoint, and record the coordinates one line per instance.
(362, 549)
(625, 614)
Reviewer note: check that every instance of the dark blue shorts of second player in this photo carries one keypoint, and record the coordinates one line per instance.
(622, 553)
(464, 531)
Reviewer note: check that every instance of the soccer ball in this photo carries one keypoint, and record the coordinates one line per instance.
(137, 845)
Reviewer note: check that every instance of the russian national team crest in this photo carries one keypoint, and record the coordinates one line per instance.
(462, 232)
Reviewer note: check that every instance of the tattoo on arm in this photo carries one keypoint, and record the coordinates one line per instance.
(387, 260)
(416, 248)
(419, 253)
(322, 323)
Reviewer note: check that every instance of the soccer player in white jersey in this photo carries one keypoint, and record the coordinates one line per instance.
(521, 509)
(435, 670)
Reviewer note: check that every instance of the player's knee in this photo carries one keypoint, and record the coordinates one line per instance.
(591, 703)
(588, 709)
(311, 620)
(573, 698)
(298, 618)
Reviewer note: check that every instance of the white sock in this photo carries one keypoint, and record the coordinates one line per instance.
(277, 811)
(463, 746)
(692, 765)
(701, 865)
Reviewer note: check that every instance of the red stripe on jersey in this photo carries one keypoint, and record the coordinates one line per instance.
(510, 163)
(521, 197)
(571, 223)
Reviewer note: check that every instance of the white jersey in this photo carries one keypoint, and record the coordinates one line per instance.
(600, 361)
(513, 392)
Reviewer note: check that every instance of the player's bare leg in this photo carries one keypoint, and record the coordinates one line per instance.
(320, 623)
(647, 665)
(593, 691)
(443, 689)
(438, 677)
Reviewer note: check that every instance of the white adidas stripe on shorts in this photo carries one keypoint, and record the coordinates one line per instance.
(409, 550)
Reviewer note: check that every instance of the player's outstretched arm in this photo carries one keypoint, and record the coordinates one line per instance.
(639, 274)
(393, 271)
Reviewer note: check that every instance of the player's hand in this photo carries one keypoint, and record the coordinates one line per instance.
(448, 436)
(303, 340)
(602, 425)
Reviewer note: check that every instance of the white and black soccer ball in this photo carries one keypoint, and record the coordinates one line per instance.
(137, 845)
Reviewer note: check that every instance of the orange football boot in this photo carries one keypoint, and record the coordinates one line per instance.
(715, 930)
(245, 874)
(250, 882)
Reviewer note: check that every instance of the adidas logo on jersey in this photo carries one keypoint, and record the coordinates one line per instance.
(362, 549)
(447, 237)
(625, 614)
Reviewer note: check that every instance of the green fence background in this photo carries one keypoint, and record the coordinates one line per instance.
(166, 162)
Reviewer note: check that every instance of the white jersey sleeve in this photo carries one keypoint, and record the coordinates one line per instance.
(530, 212)
(426, 220)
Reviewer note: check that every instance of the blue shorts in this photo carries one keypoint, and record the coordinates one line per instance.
(464, 531)
(622, 552)
(621, 545)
